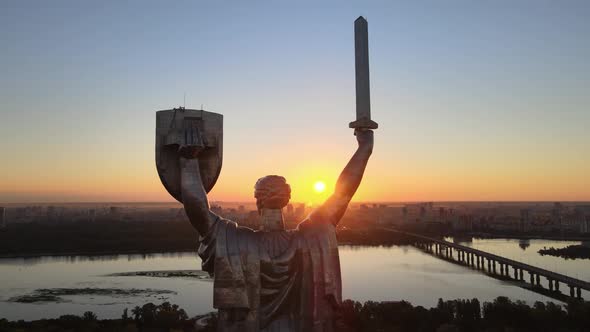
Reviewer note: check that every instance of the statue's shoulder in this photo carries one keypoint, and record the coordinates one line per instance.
(224, 223)
(311, 225)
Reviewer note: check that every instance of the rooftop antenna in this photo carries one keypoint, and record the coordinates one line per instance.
(184, 101)
(201, 107)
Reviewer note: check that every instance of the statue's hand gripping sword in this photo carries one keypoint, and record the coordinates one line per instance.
(361, 57)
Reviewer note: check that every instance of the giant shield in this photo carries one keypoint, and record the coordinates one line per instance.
(171, 128)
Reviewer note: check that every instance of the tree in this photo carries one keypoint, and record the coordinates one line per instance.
(89, 316)
(125, 316)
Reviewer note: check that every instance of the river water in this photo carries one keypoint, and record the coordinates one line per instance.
(368, 273)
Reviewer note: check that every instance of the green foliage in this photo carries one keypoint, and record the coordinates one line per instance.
(502, 314)
(165, 315)
(149, 317)
(569, 252)
(100, 237)
(89, 316)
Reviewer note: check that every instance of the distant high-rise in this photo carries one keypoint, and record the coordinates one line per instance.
(2, 217)
(91, 214)
(422, 212)
(300, 211)
(405, 214)
(524, 220)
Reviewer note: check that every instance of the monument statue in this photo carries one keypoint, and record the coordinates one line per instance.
(270, 279)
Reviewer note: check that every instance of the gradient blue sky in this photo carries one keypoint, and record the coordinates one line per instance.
(475, 100)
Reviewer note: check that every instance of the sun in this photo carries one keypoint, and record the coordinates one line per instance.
(319, 187)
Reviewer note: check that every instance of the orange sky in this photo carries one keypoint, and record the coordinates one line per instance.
(388, 178)
(472, 104)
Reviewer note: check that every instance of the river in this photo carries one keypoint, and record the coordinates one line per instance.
(368, 273)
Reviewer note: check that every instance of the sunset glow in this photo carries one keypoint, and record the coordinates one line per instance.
(319, 187)
(453, 127)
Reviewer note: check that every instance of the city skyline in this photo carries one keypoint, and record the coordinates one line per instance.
(475, 102)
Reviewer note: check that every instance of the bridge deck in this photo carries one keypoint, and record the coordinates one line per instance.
(537, 270)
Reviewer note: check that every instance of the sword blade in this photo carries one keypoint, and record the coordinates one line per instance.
(361, 57)
(363, 94)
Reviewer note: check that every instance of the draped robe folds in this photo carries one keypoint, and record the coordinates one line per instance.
(273, 281)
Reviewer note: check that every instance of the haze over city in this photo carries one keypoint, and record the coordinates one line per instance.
(475, 101)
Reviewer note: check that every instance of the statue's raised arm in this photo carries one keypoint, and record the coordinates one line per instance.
(348, 182)
(194, 196)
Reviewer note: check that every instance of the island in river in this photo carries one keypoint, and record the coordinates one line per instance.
(570, 252)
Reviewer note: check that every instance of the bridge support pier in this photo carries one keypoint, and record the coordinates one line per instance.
(477, 259)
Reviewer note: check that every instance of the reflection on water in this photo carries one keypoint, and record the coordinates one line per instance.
(368, 273)
(92, 258)
(524, 244)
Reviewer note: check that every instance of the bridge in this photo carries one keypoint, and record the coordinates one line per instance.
(498, 266)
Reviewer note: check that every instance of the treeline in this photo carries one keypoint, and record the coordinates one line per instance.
(501, 315)
(149, 317)
(465, 316)
(569, 252)
(114, 237)
(105, 237)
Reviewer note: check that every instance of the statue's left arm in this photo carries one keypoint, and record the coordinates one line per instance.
(348, 182)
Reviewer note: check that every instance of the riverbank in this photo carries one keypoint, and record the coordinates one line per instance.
(96, 253)
(145, 238)
(133, 238)
(480, 235)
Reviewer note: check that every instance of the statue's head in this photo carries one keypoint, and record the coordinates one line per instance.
(272, 194)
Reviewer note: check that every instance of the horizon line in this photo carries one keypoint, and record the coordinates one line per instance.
(297, 202)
